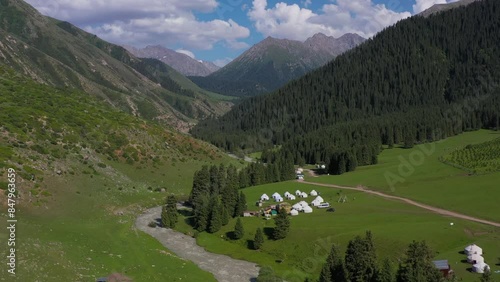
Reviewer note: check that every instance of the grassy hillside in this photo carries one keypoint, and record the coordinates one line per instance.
(60, 54)
(419, 174)
(84, 172)
(478, 159)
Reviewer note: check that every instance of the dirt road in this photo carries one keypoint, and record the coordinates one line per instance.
(224, 268)
(411, 202)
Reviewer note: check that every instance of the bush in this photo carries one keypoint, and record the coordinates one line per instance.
(152, 224)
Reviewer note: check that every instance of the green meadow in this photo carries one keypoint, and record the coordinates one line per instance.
(85, 228)
(419, 174)
(393, 224)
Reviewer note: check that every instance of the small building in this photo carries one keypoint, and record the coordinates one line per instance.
(294, 212)
(303, 195)
(264, 197)
(475, 259)
(307, 209)
(313, 193)
(249, 213)
(298, 193)
(480, 267)
(444, 267)
(300, 176)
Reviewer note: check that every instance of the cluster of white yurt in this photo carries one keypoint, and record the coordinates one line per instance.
(264, 197)
(316, 202)
(474, 256)
(313, 193)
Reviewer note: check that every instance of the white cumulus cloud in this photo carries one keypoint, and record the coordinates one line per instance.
(144, 22)
(345, 16)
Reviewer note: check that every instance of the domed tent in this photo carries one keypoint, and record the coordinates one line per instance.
(276, 195)
(303, 195)
(303, 204)
(278, 199)
(286, 194)
(291, 197)
(294, 212)
(475, 259)
(480, 267)
(298, 193)
(297, 207)
(473, 249)
(307, 209)
(313, 193)
(264, 197)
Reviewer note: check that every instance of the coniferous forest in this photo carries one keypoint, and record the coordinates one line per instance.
(420, 80)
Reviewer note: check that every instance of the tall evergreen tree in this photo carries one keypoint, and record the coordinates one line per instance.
(202, 213)
(169, 213)
(386, 273)
(241, 205)
(282, 225)
(215, 222)
(360, 259)
(258, 240)
(333, 267)
(239, 231)
(418, 266)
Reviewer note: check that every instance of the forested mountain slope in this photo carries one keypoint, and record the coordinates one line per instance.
(422, 79)
(60, 54)
(273, 62)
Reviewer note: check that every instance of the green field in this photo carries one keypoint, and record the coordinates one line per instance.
(429, 180)
(85, 229)
(393, 224)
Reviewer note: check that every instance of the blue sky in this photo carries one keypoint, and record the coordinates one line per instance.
(220, 30)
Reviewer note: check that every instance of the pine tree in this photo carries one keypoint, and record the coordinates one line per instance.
(282, 225)
(239, 231)
(202, 213)
(333, 270)
(169, 215)
(215, 222)
(418, 265)
(241, 205)
(360, 259)
(258, 240)
(386, 273)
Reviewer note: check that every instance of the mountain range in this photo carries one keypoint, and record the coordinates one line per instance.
(273, 62)
(178, 61)
(423, 79)
(437, 8)
(57, 53)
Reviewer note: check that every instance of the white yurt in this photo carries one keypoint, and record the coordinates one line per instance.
(303, 204)
(480, 267)
(286, 194)
(297, 207)
(291, 197)
(319, 199)
(294, 212)
(315, 203)
(307, 209)
(475, 259)
(278, 199)
(303, 195)
(298, 193)
(276, 195)
(313, 193)
(264, 197)
(323, 166)
(473, 249)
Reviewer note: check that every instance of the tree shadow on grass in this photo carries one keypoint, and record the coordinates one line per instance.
(250, 244)
(464, 261)
(268, 231)
(231, 235)
(190, 221)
